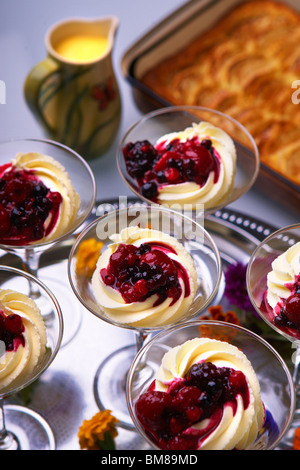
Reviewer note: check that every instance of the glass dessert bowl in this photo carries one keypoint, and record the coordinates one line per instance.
(47, 192)
(188, 156)
(154, 268)
(273, 284)
(28, 345)
(210, 386)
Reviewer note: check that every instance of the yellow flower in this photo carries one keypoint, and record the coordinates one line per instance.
(87, 256)
(99, 432)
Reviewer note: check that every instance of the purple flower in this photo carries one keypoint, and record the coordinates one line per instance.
(236, 288)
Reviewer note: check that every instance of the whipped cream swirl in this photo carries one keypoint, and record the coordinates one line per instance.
(212, 193)
(149, 312)
(56, 178)
(18, 364)
(237, 429)
(282, 279)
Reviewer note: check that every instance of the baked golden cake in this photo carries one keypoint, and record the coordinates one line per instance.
(245, 67)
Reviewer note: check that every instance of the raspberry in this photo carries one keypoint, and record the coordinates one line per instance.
(11, 331)
(108, 279)
(150, 409)
(187, 396)
(292, 308)
(194, 413)
(14, 324)
(163, 161)
(172, 175)
(141, 287)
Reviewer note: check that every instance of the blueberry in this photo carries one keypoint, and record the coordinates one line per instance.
(161, 177)
(169, 147)
(172, 163)
(160, 279)
(15, 216)
(42, 214)
(204, 400)
(38, 231)
(135, 171)
(149, 190)
(189, 163)
(206, 143)
(144, 164)
(40, 190)
(137, 277)
(190, 174)
(2, 183)
(144, 248)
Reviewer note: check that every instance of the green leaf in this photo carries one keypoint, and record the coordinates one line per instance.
(107, 443)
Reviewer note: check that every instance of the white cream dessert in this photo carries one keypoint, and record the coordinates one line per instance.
(145, 278)
(191, 167)
(283, 289)
(283, 278)
(23, 338)
(38, 200)
(205, 396)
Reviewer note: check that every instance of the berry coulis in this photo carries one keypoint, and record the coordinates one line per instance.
(175, 162)
(287, 313)
(200, 395)
(11, 331)
(25, 204)
(139, 272)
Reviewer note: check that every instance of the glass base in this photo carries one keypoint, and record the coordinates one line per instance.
(110, 384)
(27, 430)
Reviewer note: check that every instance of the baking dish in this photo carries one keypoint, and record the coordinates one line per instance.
(173, 33)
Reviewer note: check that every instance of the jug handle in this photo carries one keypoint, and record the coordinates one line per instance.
(34, 80)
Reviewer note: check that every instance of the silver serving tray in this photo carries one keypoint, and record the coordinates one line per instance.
(64, 395)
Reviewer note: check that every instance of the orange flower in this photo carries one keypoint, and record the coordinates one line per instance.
(87, 256)
(217, 313)
(99, 432)
(296, 443)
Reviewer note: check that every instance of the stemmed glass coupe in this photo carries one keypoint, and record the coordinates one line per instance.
(275, 381)
(84, 183)
(20, 427)
(171, 119)
(174, 119)
(258, 268)
(110, 379)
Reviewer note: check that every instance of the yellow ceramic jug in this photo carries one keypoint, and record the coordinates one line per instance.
(73, 92)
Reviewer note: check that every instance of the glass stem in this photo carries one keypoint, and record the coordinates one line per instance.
(140, 339)
(144, 371)
(31, 260)
(6, 438)
(296, 373)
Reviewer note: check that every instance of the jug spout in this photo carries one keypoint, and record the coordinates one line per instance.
(107, 27)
